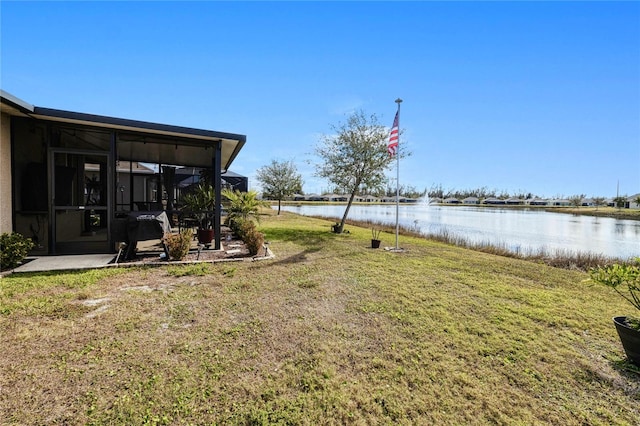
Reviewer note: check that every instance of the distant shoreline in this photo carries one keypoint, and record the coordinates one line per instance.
(613, 212)
(628, 214)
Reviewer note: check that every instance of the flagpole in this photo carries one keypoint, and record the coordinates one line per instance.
(398, 101)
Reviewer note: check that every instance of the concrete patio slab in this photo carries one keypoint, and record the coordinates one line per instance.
(61, 263)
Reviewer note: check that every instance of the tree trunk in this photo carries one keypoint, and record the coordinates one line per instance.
(346, 211)
(279, 206)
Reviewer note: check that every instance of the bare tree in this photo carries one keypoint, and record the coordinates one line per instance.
(576, 200)
(279, 180)
(355, 155)
(599, 201)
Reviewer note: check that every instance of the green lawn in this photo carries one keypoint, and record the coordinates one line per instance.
(328, 332)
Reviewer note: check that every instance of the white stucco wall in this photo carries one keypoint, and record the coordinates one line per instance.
(5, 173)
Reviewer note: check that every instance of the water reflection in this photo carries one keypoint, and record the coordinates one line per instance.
(519, 230)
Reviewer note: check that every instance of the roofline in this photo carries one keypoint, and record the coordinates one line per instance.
(17, 103)
(239, 145)
(51, 114)
(70, 116)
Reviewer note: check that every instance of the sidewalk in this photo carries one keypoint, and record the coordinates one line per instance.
(61, 263)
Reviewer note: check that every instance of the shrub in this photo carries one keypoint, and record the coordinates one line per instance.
(14, 248)
(624, 279)
(253, 239)
(178, 244)
(235, 224)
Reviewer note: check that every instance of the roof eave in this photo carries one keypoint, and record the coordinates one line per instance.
(114, 122)
(17, 104)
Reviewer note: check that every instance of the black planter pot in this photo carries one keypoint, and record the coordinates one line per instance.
(630, 339)
(205, 236)
(375, 243)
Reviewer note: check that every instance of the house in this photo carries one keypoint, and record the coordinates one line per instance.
(409, 200)
(337, 197)
(451, 200)
(493, 201)
(632, 202)
(538, 202)
(64, 178)
(560, 203)
(471, 200)
(514, 201)
(188, 176)
(316, 197)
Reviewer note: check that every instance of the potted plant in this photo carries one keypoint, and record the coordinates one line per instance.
(625, 280)
(201, 202)
(375, 238)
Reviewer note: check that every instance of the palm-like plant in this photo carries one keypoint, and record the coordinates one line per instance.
(201, 202)
(242, 205)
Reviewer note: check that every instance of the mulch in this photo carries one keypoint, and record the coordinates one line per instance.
(232, 249)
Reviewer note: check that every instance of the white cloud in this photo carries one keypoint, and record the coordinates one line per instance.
(345, 105)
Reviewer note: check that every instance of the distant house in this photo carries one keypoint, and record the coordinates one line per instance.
(451, 200)
(369, 198)
(631, 202)
(587, 202)
(538, 202)
(337, 197)
(471, 200)
(316, 197)
(188, 176)
(514, 201)
(493, 201)
(560, 203)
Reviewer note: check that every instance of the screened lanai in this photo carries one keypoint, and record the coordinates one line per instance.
(76, 174)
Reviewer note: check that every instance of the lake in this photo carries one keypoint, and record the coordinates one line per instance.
(519, 230)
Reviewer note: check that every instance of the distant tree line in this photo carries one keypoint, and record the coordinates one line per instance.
(437, 191)
(407, 191)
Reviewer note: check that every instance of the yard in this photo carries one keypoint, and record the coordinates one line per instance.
(329, 332)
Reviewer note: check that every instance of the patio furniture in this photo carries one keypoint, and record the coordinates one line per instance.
(141, 226)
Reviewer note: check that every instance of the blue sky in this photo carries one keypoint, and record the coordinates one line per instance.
(541, 97)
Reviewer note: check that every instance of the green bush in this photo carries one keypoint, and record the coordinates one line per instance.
(235, 224)
(624, 279)
(178, 244)
(14, 248)
(253, 239)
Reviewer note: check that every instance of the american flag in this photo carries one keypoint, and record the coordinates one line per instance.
(393, 137)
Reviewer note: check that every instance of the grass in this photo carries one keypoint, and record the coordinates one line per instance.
(566, 259)
(619, 213)
(328, 332)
